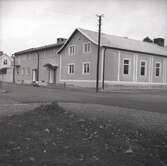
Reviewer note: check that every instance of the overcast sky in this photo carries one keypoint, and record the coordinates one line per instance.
(31, 23)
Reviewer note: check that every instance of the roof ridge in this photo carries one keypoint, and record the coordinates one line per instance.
(122, 37)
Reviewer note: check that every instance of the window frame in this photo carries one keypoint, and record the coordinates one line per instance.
(83, 65)
(129, 66)
(74, 53)
(158, 68)
(83, 47)
(69, 64)
(5, 62)
(145, 71)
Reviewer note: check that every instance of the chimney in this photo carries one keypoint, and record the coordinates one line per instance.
(159, 41)
(61, 41)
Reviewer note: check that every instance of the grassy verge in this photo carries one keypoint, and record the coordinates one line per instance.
(50, 136)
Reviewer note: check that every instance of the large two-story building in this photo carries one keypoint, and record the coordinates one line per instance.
(122, 61)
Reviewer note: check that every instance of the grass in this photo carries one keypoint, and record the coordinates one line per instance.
(50, 136)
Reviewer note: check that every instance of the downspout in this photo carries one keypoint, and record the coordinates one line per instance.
(103, 67)
(14, 70)
(38, 67)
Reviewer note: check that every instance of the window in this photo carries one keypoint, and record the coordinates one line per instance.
(17, 70)
(86, 68)
(86, 47)
(5, 62)
(126, 67)
(28, 70)
(71, 69)
(23, 71)
(72, 50)
(142, 68)
(157, 69)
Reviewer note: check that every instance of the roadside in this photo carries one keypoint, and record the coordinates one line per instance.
(147, 100)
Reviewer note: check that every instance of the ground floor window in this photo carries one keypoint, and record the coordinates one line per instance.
(126, 64)
(157, 69)
(71, 68)
(86, 68)
(142, 68)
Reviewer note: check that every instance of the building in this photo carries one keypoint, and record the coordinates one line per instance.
(123, 61)
(6, 68)
(39, 64)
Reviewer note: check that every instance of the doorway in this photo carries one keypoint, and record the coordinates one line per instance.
(34, 75)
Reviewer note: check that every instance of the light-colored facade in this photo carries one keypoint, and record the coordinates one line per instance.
(6, 68)
(131, 63)
(40, 65)
(122, 62)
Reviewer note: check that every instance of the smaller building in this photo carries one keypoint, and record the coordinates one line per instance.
(38, 65)
(6, 67)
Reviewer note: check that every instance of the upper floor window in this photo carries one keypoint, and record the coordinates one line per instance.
(142, 68)
(5, 62)
(157, 69)
(86, 68)
(71, 69)
(86, 47)
(72, 50)
(126, 64)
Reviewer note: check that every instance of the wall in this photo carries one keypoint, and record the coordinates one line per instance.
(29, 61)
(78, 39)
(8, 77)
(114, 67)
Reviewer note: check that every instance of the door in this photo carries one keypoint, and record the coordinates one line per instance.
(52, 76)
(34, 75)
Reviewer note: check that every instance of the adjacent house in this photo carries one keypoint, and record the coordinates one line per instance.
(41, 64)
(6, 67)
(122, 61)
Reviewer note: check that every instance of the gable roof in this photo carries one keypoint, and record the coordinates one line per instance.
(118, 42)
(38, 48)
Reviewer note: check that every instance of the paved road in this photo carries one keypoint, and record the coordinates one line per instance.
(148, 100)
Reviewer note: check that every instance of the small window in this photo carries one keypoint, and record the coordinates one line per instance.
(157, 69)
(72, 50)
(71, 69)
(17, 70)
(5, 62)
(86, 68)
(126, 67)
(86, 47)
(28, 70)
(142, 68)
(23, 71)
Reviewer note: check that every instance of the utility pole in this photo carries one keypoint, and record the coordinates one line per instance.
(98, 52)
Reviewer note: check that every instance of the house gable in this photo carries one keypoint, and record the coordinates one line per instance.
(78, 30)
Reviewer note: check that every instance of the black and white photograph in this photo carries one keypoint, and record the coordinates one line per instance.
(83, 82)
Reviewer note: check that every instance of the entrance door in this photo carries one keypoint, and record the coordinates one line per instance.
(52, 76)
(34, 75)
